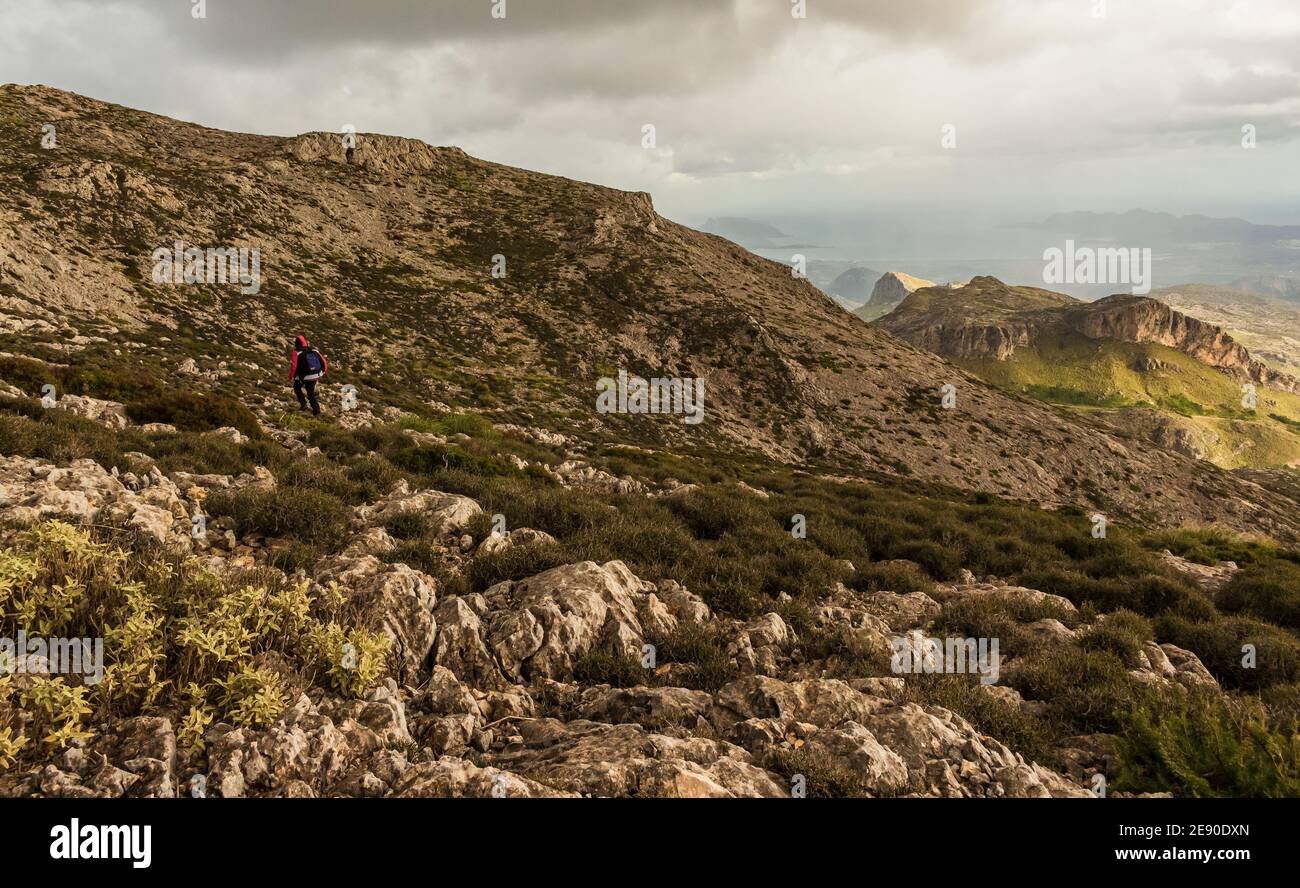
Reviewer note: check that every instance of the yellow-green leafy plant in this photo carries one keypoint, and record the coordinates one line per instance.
(352, 660)
(69, 565)
(11, 743)
(252, 696)
(59, 709)
(10, 747)
(238, 625)
(198, 715)
(179, 639)
(136, 650)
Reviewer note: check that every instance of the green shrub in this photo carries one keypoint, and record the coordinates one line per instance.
(514, 563)
(60, 437)
(1000, 617)
(470, 424)
(1004, 721)
(194, 411)
(843, 653)
(824, 776)
(1210, 546)
(1269, 590)
(889, 577)
(1207, 744)
(420, 554)
(701, 649)
(408, 525)
(1219, 645)
(603, 667)
(1122, 633)
(436, 458)
(709, 514)
(1083, 689)
(317, 519)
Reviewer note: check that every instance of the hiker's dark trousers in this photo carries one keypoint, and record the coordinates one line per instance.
(310, 385)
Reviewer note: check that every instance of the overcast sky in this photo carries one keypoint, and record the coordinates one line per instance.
(756, 112)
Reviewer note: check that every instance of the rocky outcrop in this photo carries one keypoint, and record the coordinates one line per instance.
(627, 760)
(1163, 664)
(446, 512)
(892, 748)
(85, 492)
(1211, 578)
(385, 155)
(977, 342)
(540, 627)
(392, 599)
(107, 413)
(982, 320)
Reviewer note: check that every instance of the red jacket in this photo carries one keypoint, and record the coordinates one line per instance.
(301, 345)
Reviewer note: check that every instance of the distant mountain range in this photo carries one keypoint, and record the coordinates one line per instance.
(751, 234)
(1279, 286)
(1145, 228)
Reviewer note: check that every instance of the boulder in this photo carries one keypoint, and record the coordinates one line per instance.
(107, 413)
(447, 512)
(541, 626)
(626, 759)
(520, 536)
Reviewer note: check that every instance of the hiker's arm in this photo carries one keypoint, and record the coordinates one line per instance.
(293, 366)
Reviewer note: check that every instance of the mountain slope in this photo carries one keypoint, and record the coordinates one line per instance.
(386, 256)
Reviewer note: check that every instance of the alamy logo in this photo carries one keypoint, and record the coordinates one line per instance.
(915, 653)
(90, 842)
(53, 656)
(1104, 265)
(632, 394)
(180, 264)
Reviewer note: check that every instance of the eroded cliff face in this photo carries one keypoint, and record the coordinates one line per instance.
(1145, 320)
(974, 341)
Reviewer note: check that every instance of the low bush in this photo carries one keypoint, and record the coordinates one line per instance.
(1006, 722)
(1084, 689)
(309, 516)
(193, 411)
(700, 649)
(1122, 633)
(1242, 653)
(603, 667)
(1269, 590)
(1207, 744)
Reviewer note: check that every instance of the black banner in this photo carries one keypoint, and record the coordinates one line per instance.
(139, 839)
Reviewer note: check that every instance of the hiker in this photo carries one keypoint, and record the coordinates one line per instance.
(307, 366)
